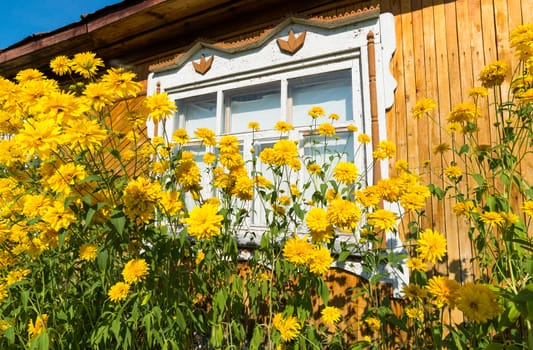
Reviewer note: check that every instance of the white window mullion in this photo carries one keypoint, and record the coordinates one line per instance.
(221, 117)
(285, 108)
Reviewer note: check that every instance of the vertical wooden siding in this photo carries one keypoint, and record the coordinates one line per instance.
(441, 47)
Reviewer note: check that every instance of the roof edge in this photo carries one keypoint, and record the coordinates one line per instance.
(323, 22)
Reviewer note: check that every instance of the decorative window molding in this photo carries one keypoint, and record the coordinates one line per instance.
(350, 54)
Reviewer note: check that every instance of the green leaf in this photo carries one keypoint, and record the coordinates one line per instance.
(344, 255)
(102, 259)
(323, 291)
(480, 180)
(118, 220)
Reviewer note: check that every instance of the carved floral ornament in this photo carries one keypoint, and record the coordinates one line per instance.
(291, 45)
(203, 65)
(293, 42)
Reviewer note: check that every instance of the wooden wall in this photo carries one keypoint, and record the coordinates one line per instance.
(441, 47)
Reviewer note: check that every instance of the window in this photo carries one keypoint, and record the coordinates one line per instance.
(258, 82)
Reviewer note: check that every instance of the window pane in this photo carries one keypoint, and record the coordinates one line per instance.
(199, 113)
(331, 91)
(257, 106)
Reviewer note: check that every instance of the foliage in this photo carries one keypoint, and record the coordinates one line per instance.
(111, 239)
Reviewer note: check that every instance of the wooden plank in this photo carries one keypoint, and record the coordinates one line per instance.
(406, 72)
(396, 117)
(456, 246)
(527, 11)
(428, 88)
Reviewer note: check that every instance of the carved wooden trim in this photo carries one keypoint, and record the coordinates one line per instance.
(293, 43)
(203, 65)
(373, 102)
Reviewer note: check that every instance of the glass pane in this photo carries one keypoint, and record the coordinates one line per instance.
(327, 153)
(199, 113)
(263, 107)
(331, 91)
(341, 147)
(207, 191)
(259, 205)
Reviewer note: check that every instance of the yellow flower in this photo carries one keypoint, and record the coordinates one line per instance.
(346, 173)
(443, 290)
(295, 191)
(298, 251)
(262, 182)
(385, 149)
(510, 218)
(417, 264)
(454, 127)
(326, 129)
(200, 256)
(86, 64)
(135, 270)
(207, 136)
(34, 329)
(493, 74)
(319, 227)
(414, 313)
(423, 106)
(253, 126)
(160, 106)
(88, 252)
(464, 112)
(66, 176)
(363, 138)
(453, 172)
(331, 315)
(118, 292)
(39, 138)
(180, 136)
(383, 219)
(352, 128)
(204, 222)
(314, 168)
(282, 126)
(171, 202)
(415, 197)
(414, 292)
(121, 82)
(244, 188)
(373, 323)
(492, 218)
(3, 292)
(478, 91)
(333, 116)
(441, 148)
(316, 112)
(288, 327)
(188, 172)
(320, 260)
(4, 326)
(58, 217)
(521, 38)
(464, 209)
(477, 302)
(140, 198)
(370, 197)
(85, 133)
(527, 208)
(29, 74)
(431, 246)
(60, 65)
(343, 214)
(228, 144)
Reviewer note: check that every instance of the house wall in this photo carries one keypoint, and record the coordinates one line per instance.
(441, 48)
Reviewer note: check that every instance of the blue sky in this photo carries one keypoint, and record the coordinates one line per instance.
(22, 18)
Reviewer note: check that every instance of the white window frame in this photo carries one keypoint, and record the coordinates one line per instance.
(327, 48)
